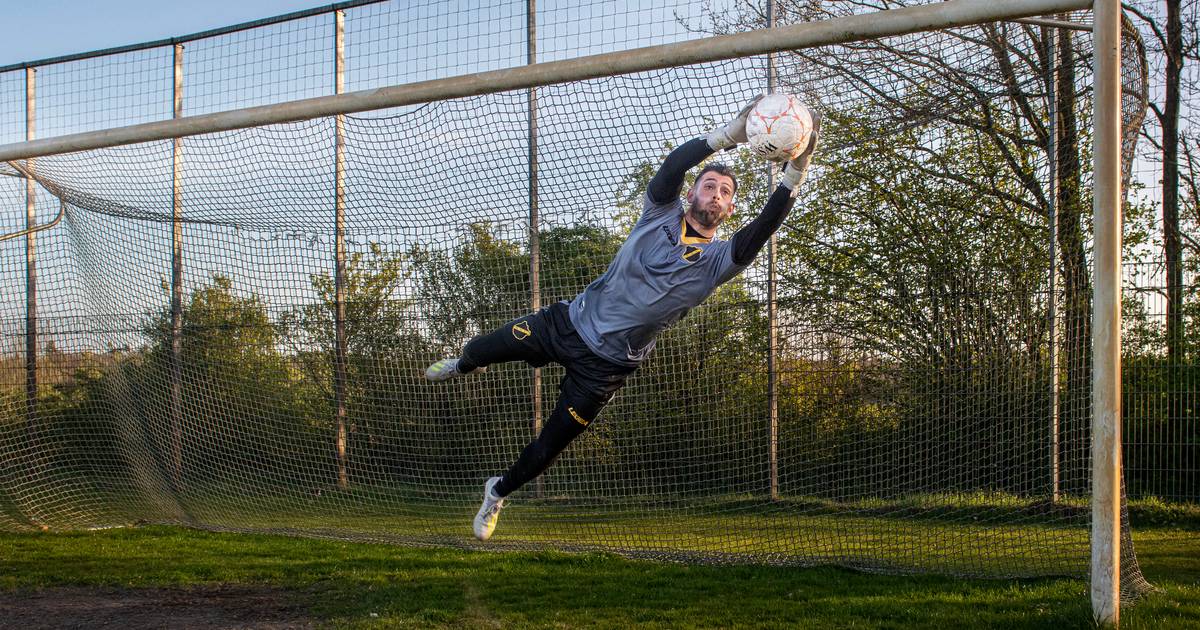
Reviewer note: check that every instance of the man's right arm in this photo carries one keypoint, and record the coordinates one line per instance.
(665, 185)
(668, 181)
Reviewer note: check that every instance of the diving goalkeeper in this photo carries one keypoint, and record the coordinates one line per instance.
(670, 263)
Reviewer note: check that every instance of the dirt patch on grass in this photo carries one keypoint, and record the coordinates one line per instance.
(259, 608)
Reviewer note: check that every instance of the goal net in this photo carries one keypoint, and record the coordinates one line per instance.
(916, 399)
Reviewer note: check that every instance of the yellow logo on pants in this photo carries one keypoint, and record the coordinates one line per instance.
(521, 330)
(578, 418)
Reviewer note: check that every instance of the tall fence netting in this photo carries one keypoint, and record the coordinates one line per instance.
(916, 429)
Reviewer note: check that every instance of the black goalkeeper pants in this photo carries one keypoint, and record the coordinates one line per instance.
(590, 383)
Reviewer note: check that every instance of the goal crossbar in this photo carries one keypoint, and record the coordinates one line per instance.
(717, 48)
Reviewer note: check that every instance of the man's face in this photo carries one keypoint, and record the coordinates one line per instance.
(711, 199)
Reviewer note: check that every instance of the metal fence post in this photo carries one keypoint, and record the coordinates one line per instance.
(339, 378)
(177, 282)
(772, 309)
(31, 336)
(535, 250)
(1052, 219)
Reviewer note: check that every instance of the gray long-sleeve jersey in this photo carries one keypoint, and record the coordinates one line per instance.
(658, 275)
(661, 272)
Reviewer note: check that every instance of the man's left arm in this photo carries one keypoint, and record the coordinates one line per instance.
(748, 241)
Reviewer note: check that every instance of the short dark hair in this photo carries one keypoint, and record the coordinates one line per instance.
(720, 169)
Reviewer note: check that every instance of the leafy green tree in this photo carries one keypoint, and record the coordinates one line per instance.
(483, 282)
(922, 294)
(473, 287)
(1159, 416)
(381, 337)
(983, 85)
(243, 416)
(926, 278)
(693, 417)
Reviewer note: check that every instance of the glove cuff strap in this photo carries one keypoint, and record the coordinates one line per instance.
(792, 178)
(719, 139)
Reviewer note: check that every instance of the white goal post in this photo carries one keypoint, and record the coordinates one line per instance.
(1106, 327)
(1106, 419)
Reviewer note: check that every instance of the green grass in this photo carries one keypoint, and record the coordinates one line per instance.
(929, 533)
(344, 584)
(975, 534)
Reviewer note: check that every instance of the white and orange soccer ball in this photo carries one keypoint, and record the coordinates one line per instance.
(779, 127)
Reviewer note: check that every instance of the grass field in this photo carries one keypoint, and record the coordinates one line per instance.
(983, 536)
(258, 580)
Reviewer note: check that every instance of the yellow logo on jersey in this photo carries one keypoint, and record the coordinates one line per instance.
(521, 330)
(578, 418)
(692, 253)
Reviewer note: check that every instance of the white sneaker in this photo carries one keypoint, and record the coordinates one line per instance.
(489, 512)
(447, 369)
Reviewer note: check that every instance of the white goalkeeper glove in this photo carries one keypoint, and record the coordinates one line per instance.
(734, 132)
(797, 169)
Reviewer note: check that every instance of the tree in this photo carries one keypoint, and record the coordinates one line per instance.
(1176, 41)
(929, 292)
(242, 411)
(693, 418)
(380, 331)
(1160, 404)
(471, 287)
(983, 90)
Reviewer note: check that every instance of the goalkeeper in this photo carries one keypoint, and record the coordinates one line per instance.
(670, 263)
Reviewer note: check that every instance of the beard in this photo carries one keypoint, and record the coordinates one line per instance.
(707, 215)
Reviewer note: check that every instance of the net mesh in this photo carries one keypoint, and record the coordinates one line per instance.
(915, 425)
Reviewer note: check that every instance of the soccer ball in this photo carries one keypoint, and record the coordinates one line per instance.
(778, 127)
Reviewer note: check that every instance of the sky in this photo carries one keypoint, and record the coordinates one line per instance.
(51, 28)
(439, 38)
